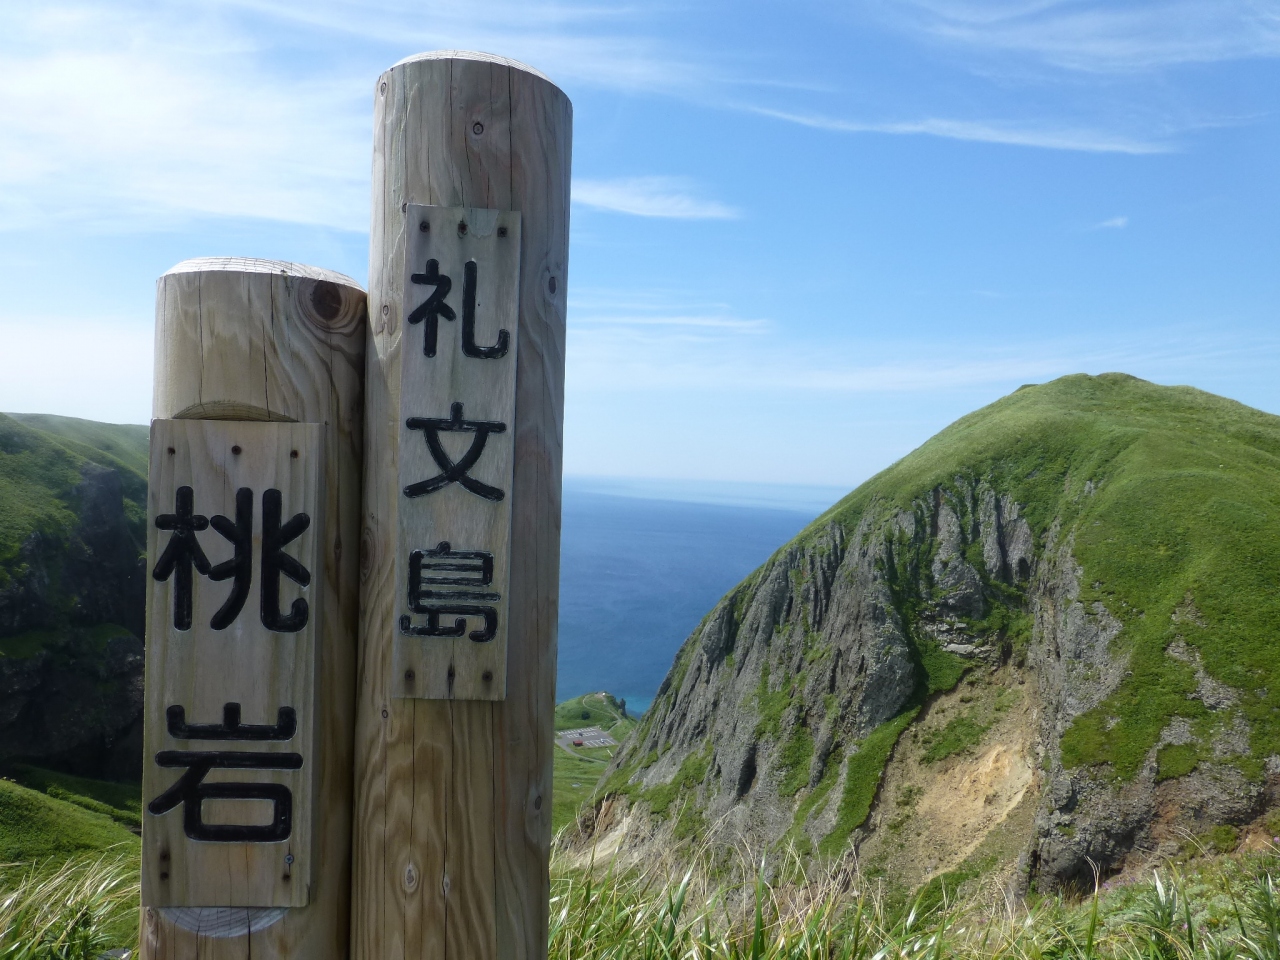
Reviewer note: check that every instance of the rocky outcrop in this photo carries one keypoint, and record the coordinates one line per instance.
(843, 634)
(832, 639)
(1088, 818)
(72, 611)
(76, 706)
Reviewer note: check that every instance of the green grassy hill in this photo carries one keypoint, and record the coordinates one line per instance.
(1170, 493)
(38, 826)
(577, 770)
(1103, 549)
(41, 460)
(72, 591)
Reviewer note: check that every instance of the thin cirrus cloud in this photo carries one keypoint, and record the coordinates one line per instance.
(664, 197)
(1101, 36)
(1050, 138)
(1115, 223)
(605, 362)
(124, 120)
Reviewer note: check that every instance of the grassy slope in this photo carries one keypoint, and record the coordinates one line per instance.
(1187, 505)
(126, 443)
(1184, 503)
(594, 710)
(40, 460)
(576, 774)
(37, 827)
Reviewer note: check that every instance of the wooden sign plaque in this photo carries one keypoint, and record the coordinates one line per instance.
(234, 574)
(456, 452)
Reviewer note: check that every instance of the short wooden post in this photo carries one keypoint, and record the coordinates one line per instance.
(454, 736)
(256, 467)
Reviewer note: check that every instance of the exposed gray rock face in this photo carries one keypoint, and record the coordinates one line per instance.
(790, 672)
(818, 649)
(1086, 818)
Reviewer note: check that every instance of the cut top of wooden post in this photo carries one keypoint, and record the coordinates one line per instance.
(230, 335)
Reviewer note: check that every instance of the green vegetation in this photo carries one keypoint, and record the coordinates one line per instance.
(577, 770)
(794, 760)
(601, 710)
(40, 461)
(1213, 908)
(1167, 493)
(959, 734)
(1176, 760)
(772, 704)
(23, 646)
(574, 780)
(691, 773)
(862, 780)
(127, 444)
(37, 827)
(1222, 838)
(41, 464)
(77, 910)
(121, 802)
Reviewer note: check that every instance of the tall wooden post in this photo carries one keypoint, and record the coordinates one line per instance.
(454, 736)
(252, 614)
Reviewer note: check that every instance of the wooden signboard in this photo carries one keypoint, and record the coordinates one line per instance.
(235, 513)
(452, 825)
(457, 441)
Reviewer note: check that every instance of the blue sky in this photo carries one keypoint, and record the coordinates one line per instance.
(805, 236)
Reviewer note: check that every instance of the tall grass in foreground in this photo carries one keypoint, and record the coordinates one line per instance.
(1225, 909)
(74, 911)
(1214, 909)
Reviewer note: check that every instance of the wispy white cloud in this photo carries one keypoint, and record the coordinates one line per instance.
(606, 359)
(1101, 36)
(607, 46)
(116, 118)
(1049, 138)
(1115, 223)
(668, 197)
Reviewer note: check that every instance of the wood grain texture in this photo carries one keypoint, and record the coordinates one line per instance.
(201, 668)
(259, 340)
(458, 667)
(453, 798)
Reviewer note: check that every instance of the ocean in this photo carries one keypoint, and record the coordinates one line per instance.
(642, 562)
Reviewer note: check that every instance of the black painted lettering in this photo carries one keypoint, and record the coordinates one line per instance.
(451, 471)
(239, 569)
(275, 562)
(182, 554)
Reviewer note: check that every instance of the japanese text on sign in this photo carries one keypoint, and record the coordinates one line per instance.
(457, 438)
(234, 552)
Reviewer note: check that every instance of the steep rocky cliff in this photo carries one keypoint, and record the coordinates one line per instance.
(1044, 640)
(72, 600)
